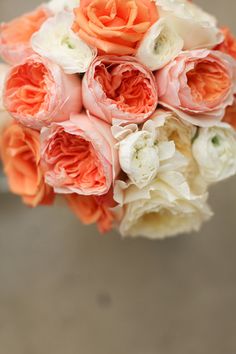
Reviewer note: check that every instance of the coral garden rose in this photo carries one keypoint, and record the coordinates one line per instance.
(38, 92)
(230, 115)
(15, 35)
(114, 26)
(228, 45)
(79, 156)
(119, 88)
(20, 152)
(198, 85)
(92, 209)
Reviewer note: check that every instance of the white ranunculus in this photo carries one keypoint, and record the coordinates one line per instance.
(197, 28)
(56, 41)
(168, 202)
(160, 45)
(215, 152)
(140, 153)
(164, 208)
(59, 5)
(4, 115)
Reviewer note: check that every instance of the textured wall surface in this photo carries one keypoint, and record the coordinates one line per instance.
(66, 290)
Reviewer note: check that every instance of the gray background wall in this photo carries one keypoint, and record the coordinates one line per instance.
(66, 290)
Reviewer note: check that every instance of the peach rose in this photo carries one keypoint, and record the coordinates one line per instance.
(92, 209)
(20, 154)
(230, 115)
(114, 26)
(228, 46)
(79, 156)
(198, 85)
(119, 88)
(15, 35)
(38, 92)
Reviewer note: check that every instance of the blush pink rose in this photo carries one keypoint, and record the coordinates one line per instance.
(15, 35)
(79, 156)
(198, 85)
(38, 92)
(119, 88)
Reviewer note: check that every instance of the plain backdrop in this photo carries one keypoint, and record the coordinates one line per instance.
(64, 289)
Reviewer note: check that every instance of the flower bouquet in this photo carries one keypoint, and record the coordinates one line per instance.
(125, 109)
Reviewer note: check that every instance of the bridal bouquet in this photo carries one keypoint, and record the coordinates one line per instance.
(126, 109)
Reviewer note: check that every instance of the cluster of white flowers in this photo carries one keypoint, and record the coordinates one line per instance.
(170, 166)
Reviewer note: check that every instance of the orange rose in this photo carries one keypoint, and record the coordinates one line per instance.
(114, 26)
(228, 46)
(20, 150)
(93, 209)
(15, 35)
(230, 115)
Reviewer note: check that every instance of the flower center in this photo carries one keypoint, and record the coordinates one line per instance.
(128, 88)
(208, 82)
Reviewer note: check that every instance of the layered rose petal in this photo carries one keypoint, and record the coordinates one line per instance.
(198, 86)
(15, 35)
(79, 156)
(38, 92)
(114, 26)
(92, 209)
(20, 152)
(119, 88)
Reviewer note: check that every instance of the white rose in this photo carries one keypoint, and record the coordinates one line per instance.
(60, 5)
(56, 41)
(4, 115)
(164, 208)
(160, 45)
(196, 27)
(215, 152)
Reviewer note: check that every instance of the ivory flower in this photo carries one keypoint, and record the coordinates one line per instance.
(163, 208)
(56, 41)
(215, 152)
(59, 5)
(196, 27)
(160, 45)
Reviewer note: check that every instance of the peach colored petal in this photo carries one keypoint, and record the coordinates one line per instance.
(15, 35)
(21, 160)
(119, 88)
(114, 26)
(79, 156)
(38, 92)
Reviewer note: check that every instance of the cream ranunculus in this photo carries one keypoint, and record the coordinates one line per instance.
(171, 202)
(166, 207)
(197, 28)
(56, 41)
(215, 152)
(59, 5)
(160, 45)
(4, 115)
(140, 153)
